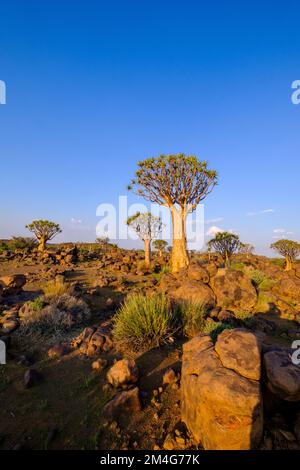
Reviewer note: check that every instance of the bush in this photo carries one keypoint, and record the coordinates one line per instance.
(144, 321)
(238, 266)
(242, 315)
(22, 243)
(192, 317)
(55, 288)
(267, 284)
(215, 328)
(256, 276)
(280, 262)
(61, 314)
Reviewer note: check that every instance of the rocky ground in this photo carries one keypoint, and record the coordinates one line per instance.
(72, 386)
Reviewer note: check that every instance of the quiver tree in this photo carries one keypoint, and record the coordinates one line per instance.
(147, 227)
(289, 249)
(44, 231)
(246, 249)
(160, 246)
(103, 242)
(226, 244)
(179, 182)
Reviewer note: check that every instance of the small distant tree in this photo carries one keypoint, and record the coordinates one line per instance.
(103, 242)
(289, 249)
(226, 244)
(160, 246)
(246, 249)
(179, 182)
(147, 227)
(44, 231)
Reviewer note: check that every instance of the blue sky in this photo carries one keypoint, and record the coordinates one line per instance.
(95, 86)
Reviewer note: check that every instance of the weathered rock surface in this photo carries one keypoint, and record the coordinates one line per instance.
(13, 284)
(240, 350)
(282, 376)
(222, 409)
(123, 372)
(194, 291)
(288, 287)
(93, 340)
(234, 290)
(121, 405)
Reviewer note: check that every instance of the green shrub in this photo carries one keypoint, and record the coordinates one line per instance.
(215, 328)
(267, 284)
(61, 314)
(36, 304)
(242, 314)
(55, 288)
(256, 276)
(144, 322)
(192, 316)
(238, 266)
(280, 262)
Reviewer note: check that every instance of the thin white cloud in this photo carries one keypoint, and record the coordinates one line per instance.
(214, 221)
(212, 232)
(264, 211)
(279, 230)
(75, 221)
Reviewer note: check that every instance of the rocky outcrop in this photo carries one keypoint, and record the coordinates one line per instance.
(281, 375)
(221, 407)
(92, 340)
(289, 288)
(234, 290)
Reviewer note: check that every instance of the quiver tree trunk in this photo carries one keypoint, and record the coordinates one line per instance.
(42, 244)
(288, 263)
(147, 245)
(180, 257)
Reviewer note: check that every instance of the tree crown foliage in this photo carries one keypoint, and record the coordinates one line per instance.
(160, 244)
(146, 225)
(225, 243)
(174, 180)
(246, 248)
(287, 248)
(44, 229)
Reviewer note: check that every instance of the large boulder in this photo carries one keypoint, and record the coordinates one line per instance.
(13, 284)
(289, 288)
(197, 272)
(220, 407)
(193, 291)
(234, 290)
(240, 350)
(281, 375)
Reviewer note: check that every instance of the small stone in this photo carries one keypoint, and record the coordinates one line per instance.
(169, 377)
(99, 364)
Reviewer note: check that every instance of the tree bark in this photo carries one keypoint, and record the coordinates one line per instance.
(227, 260)
(147, 252)
(289, 264)
(41, 246)
(180, 257)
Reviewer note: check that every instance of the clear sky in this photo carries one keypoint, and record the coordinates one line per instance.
(94, 86)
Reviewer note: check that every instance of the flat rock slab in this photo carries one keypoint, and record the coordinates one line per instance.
(240, 350)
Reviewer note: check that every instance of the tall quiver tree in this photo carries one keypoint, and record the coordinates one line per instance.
(44, 231)
(147, 226)
(179, 182)
(289, 249)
